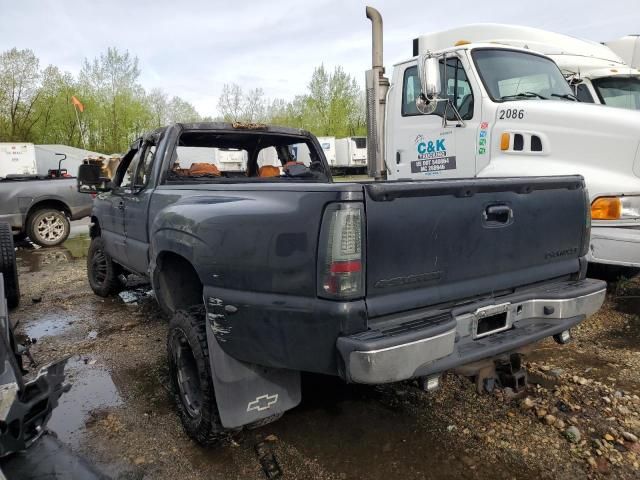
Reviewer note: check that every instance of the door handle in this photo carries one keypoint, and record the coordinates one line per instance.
(498, 215)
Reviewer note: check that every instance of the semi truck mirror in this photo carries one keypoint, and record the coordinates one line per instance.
(429, 74)
(90, 179)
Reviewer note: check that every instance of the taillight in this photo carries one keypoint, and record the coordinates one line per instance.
(341, 252)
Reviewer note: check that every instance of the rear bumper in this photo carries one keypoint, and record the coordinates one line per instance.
(416, 345)
(615, 246)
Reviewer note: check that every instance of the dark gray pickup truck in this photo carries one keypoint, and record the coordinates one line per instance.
(41, 208)
(274, 270)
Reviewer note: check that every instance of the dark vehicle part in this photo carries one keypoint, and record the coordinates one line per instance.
(191, 377)
(103, 274)
(372, 282)
(512, 374)
(26, 407)
(48, 227)
(268, 460)
(48, 459)
(8, 266)
(209, 385)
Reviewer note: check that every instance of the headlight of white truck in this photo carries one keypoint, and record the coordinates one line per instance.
(616, 208)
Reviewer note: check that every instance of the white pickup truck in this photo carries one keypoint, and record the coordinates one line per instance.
(499, 110)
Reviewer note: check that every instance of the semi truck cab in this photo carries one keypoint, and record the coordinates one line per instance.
(459, 109)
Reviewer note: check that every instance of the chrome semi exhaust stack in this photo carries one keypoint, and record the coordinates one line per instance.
(377, 86)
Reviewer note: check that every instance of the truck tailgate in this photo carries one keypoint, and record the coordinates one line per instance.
(437, 241)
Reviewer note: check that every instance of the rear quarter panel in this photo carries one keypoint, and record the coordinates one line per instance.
(254, 248)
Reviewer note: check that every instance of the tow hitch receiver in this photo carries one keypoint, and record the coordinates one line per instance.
(511, 373)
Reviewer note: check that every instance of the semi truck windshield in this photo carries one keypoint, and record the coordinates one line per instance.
(514, 75)
(621, 92)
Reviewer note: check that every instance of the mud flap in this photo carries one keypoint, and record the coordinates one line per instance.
(246, 393)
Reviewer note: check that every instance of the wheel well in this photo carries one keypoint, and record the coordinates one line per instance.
(54, 204)
(177, 282)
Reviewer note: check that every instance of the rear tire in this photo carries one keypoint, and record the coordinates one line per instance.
(102, 272)
(48, 227)
(191, 380)
(8, 266)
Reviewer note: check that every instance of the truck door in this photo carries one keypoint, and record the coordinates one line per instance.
(418, 145)
(112, 221)
(136, 203)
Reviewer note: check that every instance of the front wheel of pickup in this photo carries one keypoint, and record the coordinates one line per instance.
(102, 272)
(191, 377)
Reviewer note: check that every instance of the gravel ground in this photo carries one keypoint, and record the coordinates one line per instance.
(580, 417)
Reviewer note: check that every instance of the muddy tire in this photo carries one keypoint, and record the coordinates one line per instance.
(102, 272)
(48, 227)
(191, 377)
(8, 266)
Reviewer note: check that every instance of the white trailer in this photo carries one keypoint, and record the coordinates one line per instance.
(328, 145)
(17, 159)
(351, 153)
(231, 159)
(461, 107)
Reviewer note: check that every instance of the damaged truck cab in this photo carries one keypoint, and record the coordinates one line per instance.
(273, 269)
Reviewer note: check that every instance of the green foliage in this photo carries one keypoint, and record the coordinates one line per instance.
(35, 103)
(333, 106)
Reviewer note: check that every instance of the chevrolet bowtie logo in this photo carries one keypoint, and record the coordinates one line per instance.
(262, 402)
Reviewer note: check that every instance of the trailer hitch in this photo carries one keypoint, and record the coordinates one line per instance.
(511, 374)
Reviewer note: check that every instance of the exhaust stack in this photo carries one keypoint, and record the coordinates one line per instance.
(376, 85)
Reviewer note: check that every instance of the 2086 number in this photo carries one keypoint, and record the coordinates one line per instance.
(511, 113)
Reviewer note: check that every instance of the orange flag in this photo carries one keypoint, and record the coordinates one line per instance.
(77, 103)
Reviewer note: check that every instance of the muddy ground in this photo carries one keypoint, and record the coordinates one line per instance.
(579, 419)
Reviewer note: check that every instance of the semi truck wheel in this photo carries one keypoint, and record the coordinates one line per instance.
(102, 272)
(48, 227)
(191, 376)
(8, 266)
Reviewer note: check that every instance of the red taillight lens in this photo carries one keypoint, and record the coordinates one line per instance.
(341, 252)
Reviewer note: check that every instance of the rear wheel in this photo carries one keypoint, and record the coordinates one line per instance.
(48, 227)
(191, 377)
(8, 266)
(102, 272)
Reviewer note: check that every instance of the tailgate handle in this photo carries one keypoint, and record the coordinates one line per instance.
(498, 214)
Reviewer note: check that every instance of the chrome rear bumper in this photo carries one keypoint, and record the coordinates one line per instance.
(452, 339)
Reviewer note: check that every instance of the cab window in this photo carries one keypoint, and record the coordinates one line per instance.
(583, 94)
(455, 87)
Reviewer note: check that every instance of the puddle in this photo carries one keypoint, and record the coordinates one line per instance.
(48, 325)
(33, 258)
(91, 388)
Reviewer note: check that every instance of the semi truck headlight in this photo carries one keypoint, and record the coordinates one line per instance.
(615, 208)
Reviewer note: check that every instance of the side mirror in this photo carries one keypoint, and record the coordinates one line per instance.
(430, 86)
(90, 181)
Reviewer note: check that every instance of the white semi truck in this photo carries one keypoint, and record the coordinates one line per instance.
(499, 111)
(628, 48)
(351, 154)
(594, 71)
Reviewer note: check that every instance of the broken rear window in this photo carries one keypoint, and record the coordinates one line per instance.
(223, 156)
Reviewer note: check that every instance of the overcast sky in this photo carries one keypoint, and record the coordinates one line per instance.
(191, 48)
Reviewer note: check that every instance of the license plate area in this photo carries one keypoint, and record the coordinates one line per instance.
(491, 319)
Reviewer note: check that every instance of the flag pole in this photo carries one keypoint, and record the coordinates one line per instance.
(75, 108)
